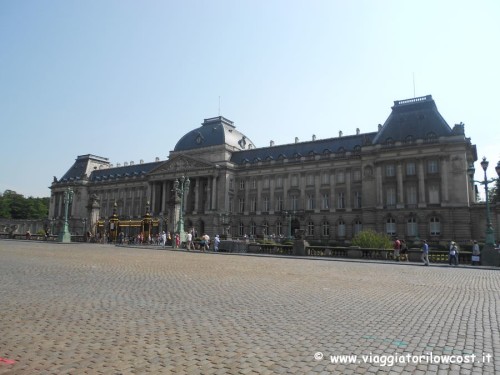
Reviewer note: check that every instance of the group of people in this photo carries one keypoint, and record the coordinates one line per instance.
(204, 242)
(401, 252)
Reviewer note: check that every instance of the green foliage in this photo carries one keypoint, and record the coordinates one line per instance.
(372, 240)
(494, 193)
(16, 206)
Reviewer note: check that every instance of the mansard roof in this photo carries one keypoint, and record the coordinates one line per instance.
(135, 170)
(415, 118)
(352, 143)
(213, 132)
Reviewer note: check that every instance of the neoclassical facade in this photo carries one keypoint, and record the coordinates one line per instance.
(408, 178)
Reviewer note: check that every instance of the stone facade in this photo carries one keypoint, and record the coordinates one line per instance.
(409, 178)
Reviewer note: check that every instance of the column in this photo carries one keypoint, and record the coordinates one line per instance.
(421, 184)
(213, 205)
(399, 179)
(380, 192)
(333, 198)
(348, 204)
(195, 182)
(444, 180)
(317, 194)
(302, 187)
(208, 203)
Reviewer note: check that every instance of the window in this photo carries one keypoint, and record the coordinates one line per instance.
(231, 183)
(310, 201)
(253, 228)
(265, 204)
(310, 228)
(432, 166)
(411, 194)
(433, 194)
(266, 183)
(265, 228)
(241, 230)
(325, 205)
(435, 226)
(357, 199)
(325, 178)
(390, 226)
(254, 183)
(279, 228)
(410, 169)
(358, 227)
(279, 203)
(412, 227)
(356, 175)
(241, 205)
(242, 184)
(253, 204)
(310, 180)
(295, 180)
(231, 205)
(340, 177)
(390, 171)
(341, 228)
(325, 228)
(341, 200)
(294, 203)
(390, 194)
(279, 182)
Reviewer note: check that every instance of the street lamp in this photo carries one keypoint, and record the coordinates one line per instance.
(65, 235)
(84, 221)
(490, 233)
(181, 187)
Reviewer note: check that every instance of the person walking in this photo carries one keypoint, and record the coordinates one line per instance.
(397, 249)
(476, 253)
(404, 251)
(453, 258)
(189, 241)
(425, 253)
(216, 243)
(177, 241)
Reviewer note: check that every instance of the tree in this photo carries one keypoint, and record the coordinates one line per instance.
(369, 239)
(16, 206)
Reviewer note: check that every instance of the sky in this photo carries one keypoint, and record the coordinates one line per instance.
(127, 79)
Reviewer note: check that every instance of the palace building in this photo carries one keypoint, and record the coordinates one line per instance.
(410, 178)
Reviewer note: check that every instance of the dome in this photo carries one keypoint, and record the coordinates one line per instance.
(214, 132)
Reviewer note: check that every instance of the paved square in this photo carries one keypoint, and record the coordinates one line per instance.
(101, 309)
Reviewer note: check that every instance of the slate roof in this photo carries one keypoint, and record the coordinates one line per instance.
(213, 132)
(415, 118)
(352, 143)
(135, 170)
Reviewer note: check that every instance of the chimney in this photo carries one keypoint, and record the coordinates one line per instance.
(296, 139)
(379, 127)
(157, 159)
(357, 131)
(141, 161)
(132, 162)
(271, 143)
(314, 137)
(125, 163)
(340, 134)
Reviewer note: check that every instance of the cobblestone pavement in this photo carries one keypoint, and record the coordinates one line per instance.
(101, 309)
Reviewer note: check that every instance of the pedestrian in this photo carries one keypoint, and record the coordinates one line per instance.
(425, 253)
(206, 242)
(453, 258)
(189, 241)
(163, 239)
(397, 249)
(216, 243)
(404, 251)
(177, 242)
(476, 253)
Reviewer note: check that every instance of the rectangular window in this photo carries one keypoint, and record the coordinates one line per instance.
(341, 200)
(295, 180)
(310, 228)
(340, 177)
(254, 183)
(325, 202)
(341, 229)
(390, 227)
(390, 171)
(433, 194)
(432, 166)
(241, 204)
(279, 203)
(279, 182)
(412, 227)
(265, 204)
(411, 194)
(356, 175)
(253, 204)
(231, 205)
(310, 180)
(310, 202)
(294, 203)
(390, 196)
(325, 178)
(357, 199)
(266, 183)
(325, 228)
(410, 169)
(242, 184)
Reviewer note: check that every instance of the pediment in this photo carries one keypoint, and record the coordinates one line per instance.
(182, 164)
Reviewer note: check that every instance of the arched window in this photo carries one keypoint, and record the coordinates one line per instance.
(357, 227)
(341, 228)
(390, 226)
(412, 227)
(310, 228)
(434, 226)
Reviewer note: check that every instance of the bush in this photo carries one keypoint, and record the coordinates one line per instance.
(369, 239)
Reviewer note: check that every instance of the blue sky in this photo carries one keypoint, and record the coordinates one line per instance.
(127, 79)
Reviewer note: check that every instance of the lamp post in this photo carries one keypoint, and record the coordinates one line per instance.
(181, 187)
(84, 221)
(65, 235)
(489, 255)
